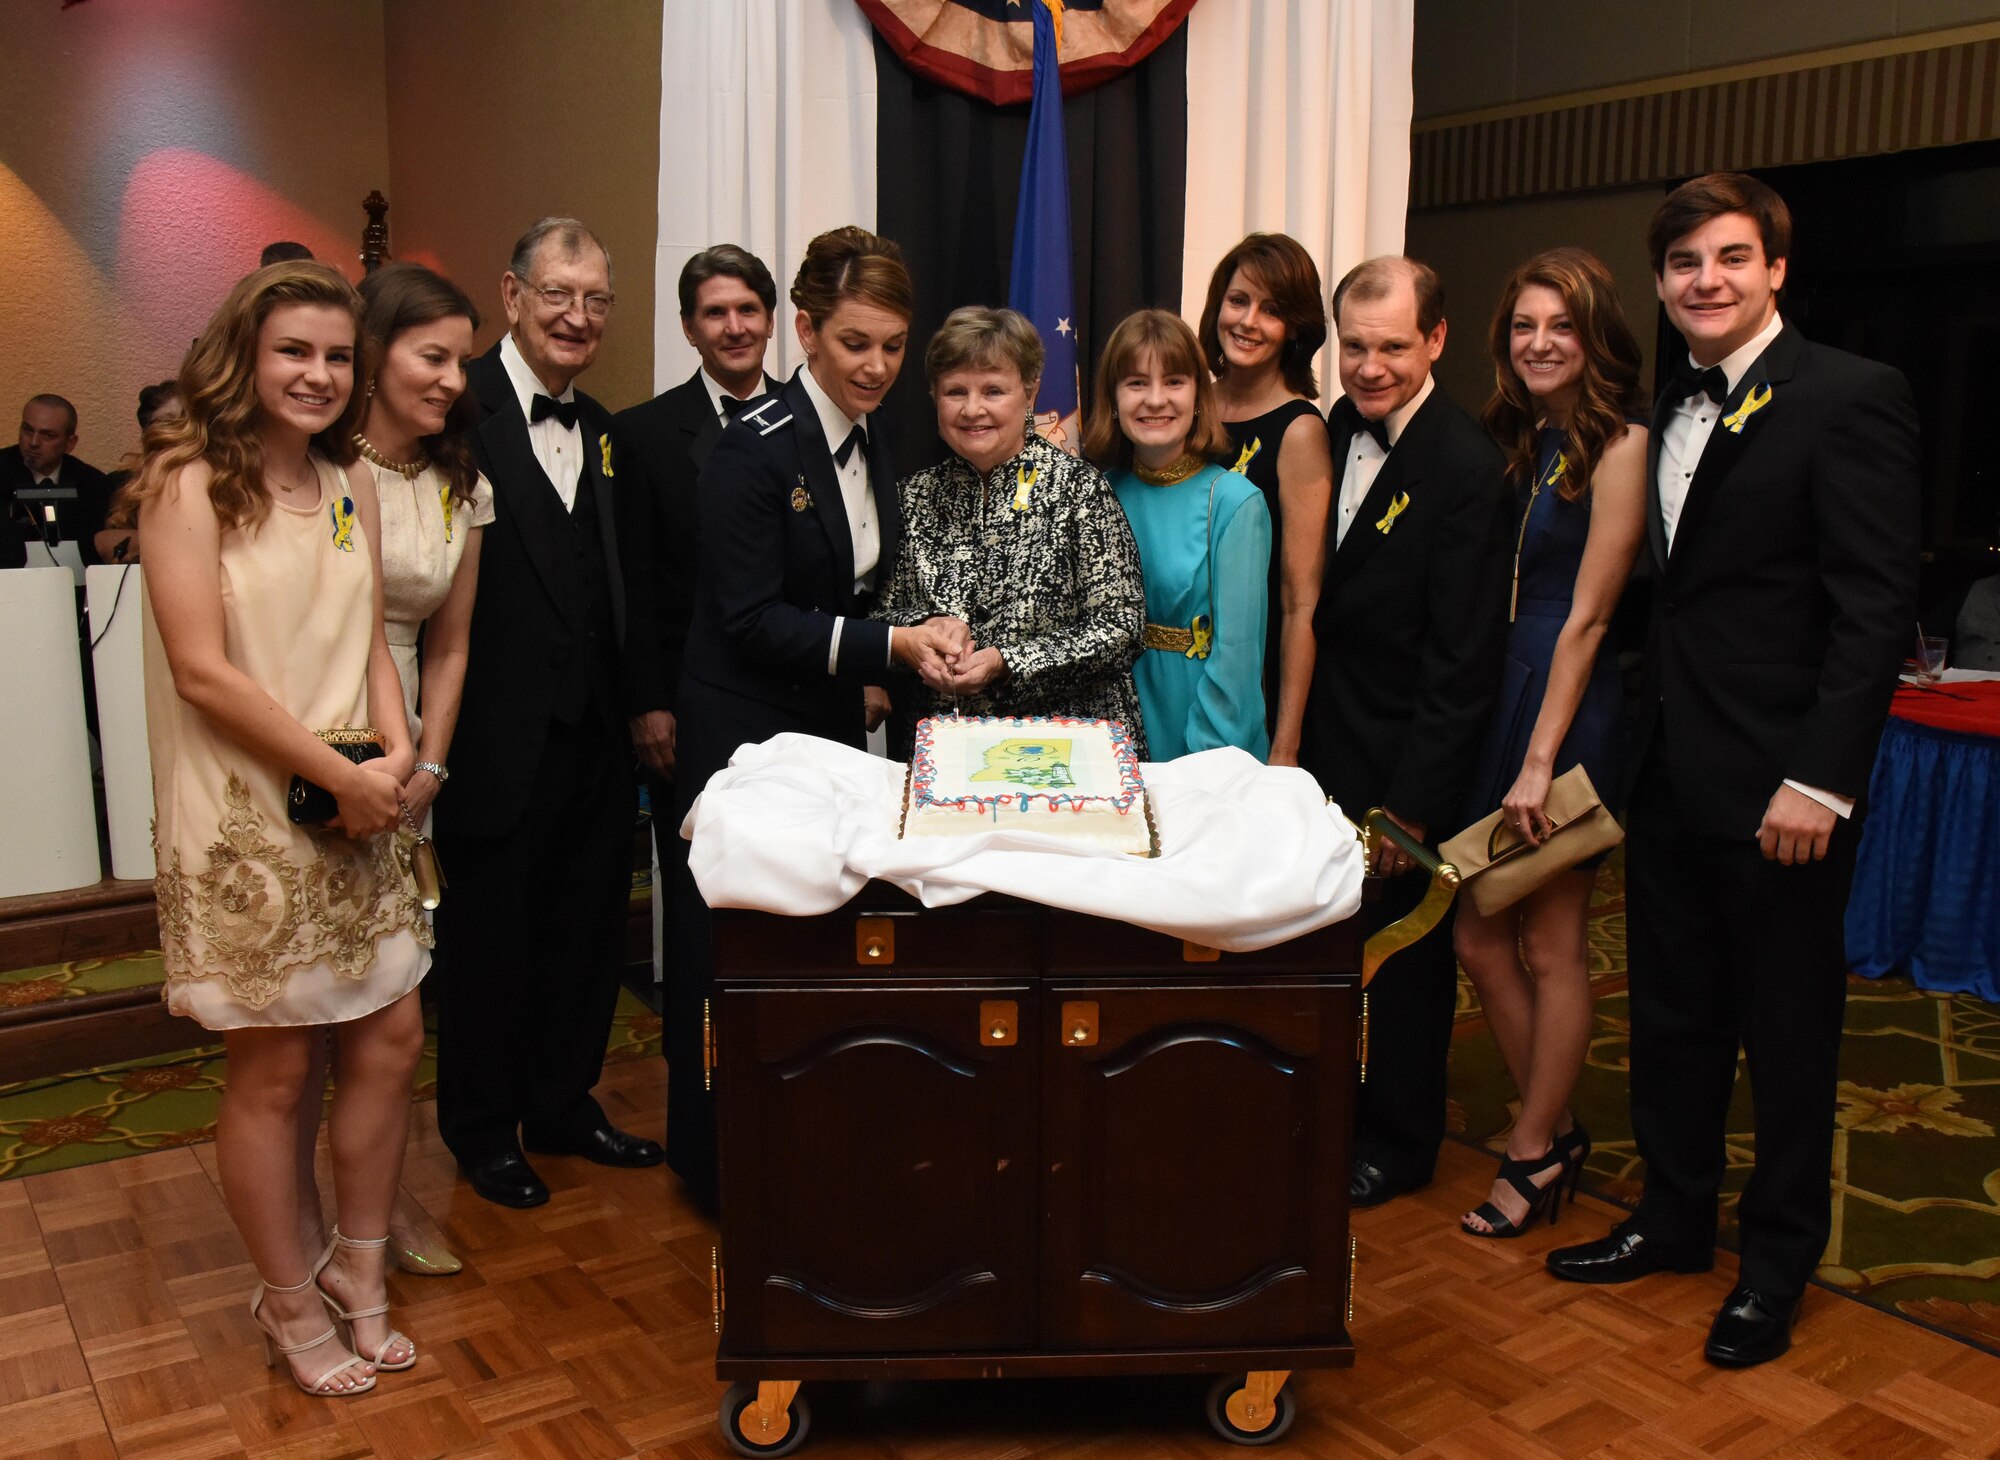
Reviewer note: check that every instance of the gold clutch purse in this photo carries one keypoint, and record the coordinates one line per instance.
(1497, 867)
(425, 868)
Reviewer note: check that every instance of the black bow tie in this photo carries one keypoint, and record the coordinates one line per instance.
(543, 406)
(1690, 381)
(731, 406)
(856, 437)
(1358, 422)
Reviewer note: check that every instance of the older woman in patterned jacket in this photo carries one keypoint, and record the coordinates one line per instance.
(1018, 539)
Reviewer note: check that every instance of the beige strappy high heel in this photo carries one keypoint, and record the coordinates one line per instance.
(273, 1348)
(348, 1316)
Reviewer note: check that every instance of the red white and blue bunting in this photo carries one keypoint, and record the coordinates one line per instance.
(985, 47)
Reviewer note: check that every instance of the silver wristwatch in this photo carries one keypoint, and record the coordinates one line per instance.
(435, 769)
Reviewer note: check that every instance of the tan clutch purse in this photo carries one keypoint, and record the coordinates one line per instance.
(1497, 868)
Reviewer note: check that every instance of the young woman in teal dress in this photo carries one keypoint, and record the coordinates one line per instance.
(1264, 322)
(1204, 537)
(1564, 410)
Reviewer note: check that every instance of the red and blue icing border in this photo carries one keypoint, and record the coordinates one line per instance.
(923, 771)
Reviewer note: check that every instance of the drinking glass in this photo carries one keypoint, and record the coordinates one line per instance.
(1930, 658)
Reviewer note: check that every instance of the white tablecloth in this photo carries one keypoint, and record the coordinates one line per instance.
(1250, 854)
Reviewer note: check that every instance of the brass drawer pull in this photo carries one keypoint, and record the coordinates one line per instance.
(1079, 1023)
(874, 941)
(999, 1021)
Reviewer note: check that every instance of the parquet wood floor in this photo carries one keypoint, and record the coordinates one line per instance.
(581, 1331)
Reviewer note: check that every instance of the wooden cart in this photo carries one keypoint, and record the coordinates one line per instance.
(999, 1139)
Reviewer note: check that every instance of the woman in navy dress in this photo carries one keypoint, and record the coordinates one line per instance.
(1564, 409)
(1264, 321)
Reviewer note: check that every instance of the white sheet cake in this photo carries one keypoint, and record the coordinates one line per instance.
(1076, 780)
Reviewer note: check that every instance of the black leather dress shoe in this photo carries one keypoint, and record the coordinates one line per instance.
(1369, 1186)
(1623, 1255)
(506, 1179)
(607, 1146)
(1751, 1328)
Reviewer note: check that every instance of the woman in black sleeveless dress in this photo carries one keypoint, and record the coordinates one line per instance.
(1264, 321)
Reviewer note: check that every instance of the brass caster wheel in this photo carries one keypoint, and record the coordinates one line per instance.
(777, 1426)
(1248, 1413)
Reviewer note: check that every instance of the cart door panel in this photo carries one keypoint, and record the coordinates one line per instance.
(879, 1182)
(1195, 1156)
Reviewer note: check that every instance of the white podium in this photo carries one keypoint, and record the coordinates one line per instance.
(48, 822)
(116, 595)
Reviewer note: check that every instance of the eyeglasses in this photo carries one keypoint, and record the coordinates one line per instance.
(559, 301)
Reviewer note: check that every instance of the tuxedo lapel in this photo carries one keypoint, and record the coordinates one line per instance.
(521, 489)
(600, 471)
(822, 483)
(1656, 523)
(1725, 445)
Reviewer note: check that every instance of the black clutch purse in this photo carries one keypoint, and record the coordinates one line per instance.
(310, 804)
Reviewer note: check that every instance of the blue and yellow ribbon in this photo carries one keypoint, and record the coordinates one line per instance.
(342, 512)
(1752, 403)
(1396, 509)
(1024, 482)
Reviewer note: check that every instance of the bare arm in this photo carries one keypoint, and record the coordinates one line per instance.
(1617, 528)
(1305, 493)
(441, 684)
(184, 586)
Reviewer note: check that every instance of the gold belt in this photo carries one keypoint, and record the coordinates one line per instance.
(1192, 641)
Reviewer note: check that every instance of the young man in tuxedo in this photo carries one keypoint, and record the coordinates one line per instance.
(535, 830)
(728, 302)
(1783, 528)
(40, 472)
(1410, 623)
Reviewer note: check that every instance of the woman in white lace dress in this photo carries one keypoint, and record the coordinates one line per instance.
(415, 444)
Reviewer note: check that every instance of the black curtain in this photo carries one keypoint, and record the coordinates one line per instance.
(948, 174)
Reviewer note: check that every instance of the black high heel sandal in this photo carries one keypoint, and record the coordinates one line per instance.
(1541, 1200)
(1575, 1147)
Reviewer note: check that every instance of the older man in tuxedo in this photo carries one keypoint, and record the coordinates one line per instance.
(1410, 624)
(1784, 537)
(536, 829)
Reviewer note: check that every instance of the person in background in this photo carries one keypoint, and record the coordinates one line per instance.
(1018, 540)
(263, 555)
(282, 251)
(1263, 324)
(798, 523)
(118, 540)
(1782, 519)
(1409, 628)
(536, 834)
(42, 473)
(1564, 410)
(1203, 534)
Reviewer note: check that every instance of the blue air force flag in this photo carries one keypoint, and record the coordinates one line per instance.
(1041, 287)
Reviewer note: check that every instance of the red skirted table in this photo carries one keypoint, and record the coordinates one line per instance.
(1926, 894)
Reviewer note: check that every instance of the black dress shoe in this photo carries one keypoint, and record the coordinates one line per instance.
(607, 1146)
(506, 1179)
(1369, 1186)
(1623, 1255)
(1751, 1328)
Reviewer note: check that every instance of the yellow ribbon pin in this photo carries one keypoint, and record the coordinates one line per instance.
(1752, 403)
(342, 512)
(444, 501)
(1395, 510)
(1024, 481)
(1243, 457)
(604, 443)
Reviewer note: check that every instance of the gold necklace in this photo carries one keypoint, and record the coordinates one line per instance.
(410, 469)
(289, 487)
(1177, 470)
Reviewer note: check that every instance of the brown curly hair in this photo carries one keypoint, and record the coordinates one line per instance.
(218, 383)
(1609, 390)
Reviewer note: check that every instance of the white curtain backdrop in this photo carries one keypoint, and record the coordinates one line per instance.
(767, 137)
(1299, 123)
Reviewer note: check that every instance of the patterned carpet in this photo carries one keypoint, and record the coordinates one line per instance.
(1916, 1214)
(168, 1100)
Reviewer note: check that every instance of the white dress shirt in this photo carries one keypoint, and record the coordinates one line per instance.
(1685, 433)
(1683, 437)
(862, 527)
(557, 447)
(1365, 458)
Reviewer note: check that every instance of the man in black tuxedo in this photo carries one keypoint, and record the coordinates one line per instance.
(727, 300)
(536, 832)
(40, 472)
(1410, 623)
(1784, 536)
